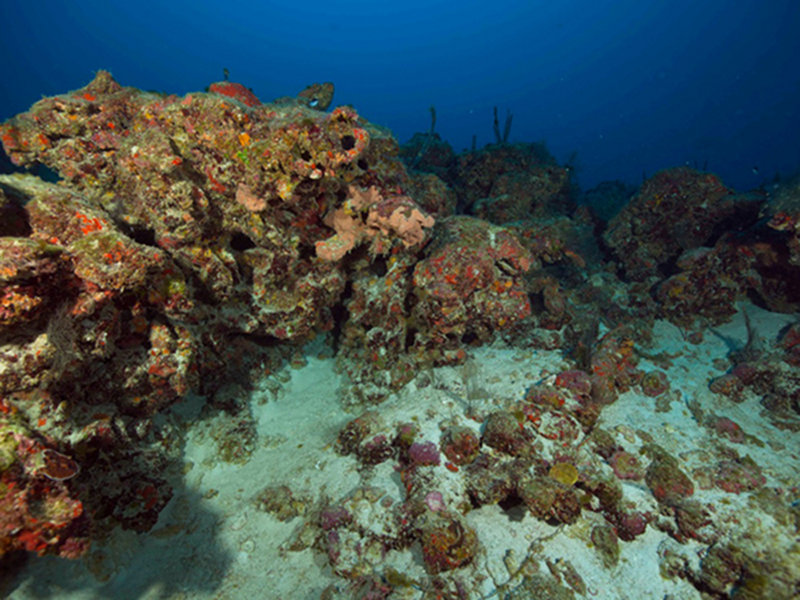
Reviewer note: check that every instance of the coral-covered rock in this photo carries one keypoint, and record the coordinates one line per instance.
(469, 284)
(543, 396)
(40, 517)
(29, 271)
(708, 283)
(654, 383)
(737, 475)
(39, 506)
(374, 344)
(629, 524)
(138, 507)
(668, 483)
(334, 517)
(375, 450)
(784, 216)
(728, 385)
(576, 381)
(404, 312)
(429, 153)
(432, 194)
(358, 531)
(626, 465)
(236, 91)
(13, 218)
(193, 177)
(691, 517)
(536, 192)
(478, 171)
(729, 429)
(790, 344)
(549, 499)
(447, 541)
(675, 210)
(747, 571)
(460, 444)
(364, 437)
(358, 430)
(503, 432)
(613, 370)
(556, 240)
(489, 480)
(423, 454)
(606, 543)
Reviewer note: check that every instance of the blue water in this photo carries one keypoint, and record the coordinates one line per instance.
(631, 86)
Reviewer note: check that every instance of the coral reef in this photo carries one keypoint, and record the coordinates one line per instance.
(194, 243)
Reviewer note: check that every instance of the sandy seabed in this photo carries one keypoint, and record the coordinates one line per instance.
(214, 541)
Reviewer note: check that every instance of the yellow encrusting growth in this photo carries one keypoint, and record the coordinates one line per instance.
(565, 473)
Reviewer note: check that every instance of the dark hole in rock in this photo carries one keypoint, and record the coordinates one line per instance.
(469, 337)
(241, 242)
(306, 252)
(139, 234)
(45, 173)
(378, 267)
(513, 506)
(411, 334)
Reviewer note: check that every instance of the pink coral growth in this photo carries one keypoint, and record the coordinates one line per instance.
(423, 453)
(246, 197)
(334, 517)
(395, 215)
(435, 501)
